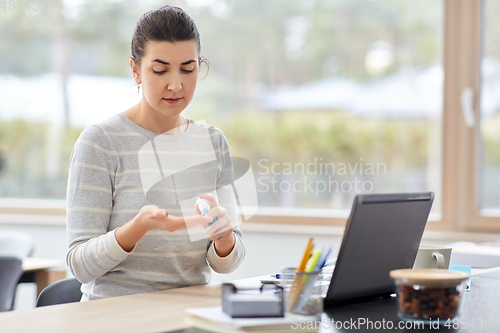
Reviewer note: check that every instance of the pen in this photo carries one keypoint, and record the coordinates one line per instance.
(311, 265)
(313, 261)
(306, 255)
(324, 255)
(301, 268)
(306, 293)
(282, 276)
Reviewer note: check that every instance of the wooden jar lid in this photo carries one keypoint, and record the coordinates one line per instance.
(429, 275)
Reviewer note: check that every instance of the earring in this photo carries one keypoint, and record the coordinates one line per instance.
(138, 88)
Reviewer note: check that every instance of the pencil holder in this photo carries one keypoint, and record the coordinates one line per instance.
(302, 292)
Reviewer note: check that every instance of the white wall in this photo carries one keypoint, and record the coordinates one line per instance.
(267, 253)
(50, 241)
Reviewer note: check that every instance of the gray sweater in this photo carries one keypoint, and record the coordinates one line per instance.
(116, 168)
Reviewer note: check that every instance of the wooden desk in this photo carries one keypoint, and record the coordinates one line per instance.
(163, 311)
(42, 271)
(160, 311)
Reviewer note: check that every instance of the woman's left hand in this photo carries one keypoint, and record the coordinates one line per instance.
(220, 231)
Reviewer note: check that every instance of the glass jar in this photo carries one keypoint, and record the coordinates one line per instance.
(428, 294)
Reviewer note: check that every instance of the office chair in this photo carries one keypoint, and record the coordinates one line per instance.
(16, 244)
(60, 292)
(10, 271)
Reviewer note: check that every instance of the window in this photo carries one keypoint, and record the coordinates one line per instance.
(484, 202)
(489, 173)
(325, 98)
(329, 98)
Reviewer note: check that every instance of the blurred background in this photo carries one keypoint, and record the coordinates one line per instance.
(351, 84)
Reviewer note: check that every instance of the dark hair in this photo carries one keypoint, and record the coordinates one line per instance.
(165, 24)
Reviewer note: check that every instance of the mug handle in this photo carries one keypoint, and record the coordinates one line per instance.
(440, 259)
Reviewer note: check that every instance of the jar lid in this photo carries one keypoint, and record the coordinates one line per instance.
(435, 275)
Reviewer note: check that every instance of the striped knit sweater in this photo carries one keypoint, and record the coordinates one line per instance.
(116, 168)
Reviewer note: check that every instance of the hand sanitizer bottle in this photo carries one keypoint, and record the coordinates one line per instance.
(204, 207)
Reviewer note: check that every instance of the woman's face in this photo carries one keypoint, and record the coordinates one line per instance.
(168, 74)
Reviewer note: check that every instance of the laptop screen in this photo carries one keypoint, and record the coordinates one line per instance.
(382, 233)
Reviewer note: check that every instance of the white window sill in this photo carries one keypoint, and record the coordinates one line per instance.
(33, 219)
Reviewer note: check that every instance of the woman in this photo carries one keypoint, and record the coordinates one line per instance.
(133, 225)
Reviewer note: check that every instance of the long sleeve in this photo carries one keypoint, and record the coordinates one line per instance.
(227, 199)
(230, 262)
(92, 247)
(90, 260)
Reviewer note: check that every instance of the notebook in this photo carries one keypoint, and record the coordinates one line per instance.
(213, 319)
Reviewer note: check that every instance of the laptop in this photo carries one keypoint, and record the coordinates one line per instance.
(382, 233)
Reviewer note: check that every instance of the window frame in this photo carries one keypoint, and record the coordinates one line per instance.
(464, 21)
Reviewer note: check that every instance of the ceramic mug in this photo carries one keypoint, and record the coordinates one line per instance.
(433, 256)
